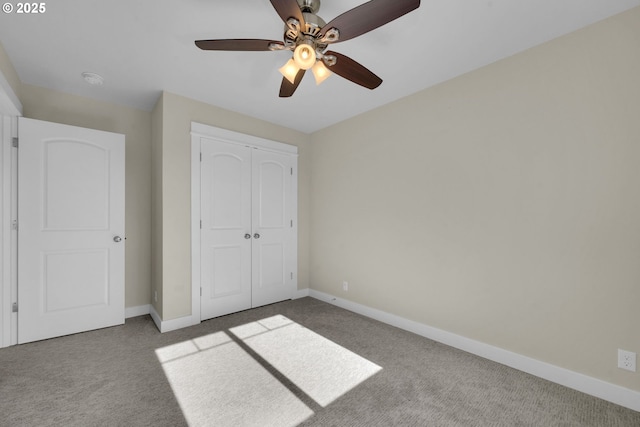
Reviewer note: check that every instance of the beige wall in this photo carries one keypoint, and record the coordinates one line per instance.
(58, 107)
(177, 114)
(502, 205)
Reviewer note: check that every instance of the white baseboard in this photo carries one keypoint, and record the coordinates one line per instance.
(300, 293)
(583, 383)
(183, 322)
(173, 324)
(140, 310)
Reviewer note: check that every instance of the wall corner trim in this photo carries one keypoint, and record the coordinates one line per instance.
(574, 380)
(173, 324)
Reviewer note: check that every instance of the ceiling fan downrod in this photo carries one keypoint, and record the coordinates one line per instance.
(309, 6)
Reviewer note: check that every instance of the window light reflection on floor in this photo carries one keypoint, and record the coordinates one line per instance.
(217, 382)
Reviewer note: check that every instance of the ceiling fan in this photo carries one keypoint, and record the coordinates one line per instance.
(308, 36)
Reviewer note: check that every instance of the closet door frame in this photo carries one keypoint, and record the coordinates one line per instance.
(199, 132)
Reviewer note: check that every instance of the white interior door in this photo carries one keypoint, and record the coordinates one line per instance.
(272, 273)
(70, 230)
(225, 229)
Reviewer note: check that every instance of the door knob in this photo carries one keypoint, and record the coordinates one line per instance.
(247, 236)
(117, 239)
(256, 236)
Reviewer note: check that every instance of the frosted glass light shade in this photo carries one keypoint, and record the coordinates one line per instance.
(290, 70)
(320, 72)
(304, 56)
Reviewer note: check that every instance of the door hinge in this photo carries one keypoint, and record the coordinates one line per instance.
(14, 224)
(14, 307)
(201, 224)
(291, 171)
(200, 291)
(14, 142)
(291, 223)
(292, 275)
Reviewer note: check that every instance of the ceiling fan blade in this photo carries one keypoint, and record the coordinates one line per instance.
(351, 70)
(369, 16)
(288, 9)
(236, 44)
(287, 88)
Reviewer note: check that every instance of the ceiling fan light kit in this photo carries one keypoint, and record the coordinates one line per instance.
(305, 54)
(309, 36)
(290, 70)
(320, 72)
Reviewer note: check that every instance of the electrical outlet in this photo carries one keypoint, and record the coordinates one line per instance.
(627, 360)
(345, 286)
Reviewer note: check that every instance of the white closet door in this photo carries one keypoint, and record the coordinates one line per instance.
(226, 229)
(272, 227)
(71, 230)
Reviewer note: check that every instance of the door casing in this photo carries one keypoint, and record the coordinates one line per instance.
(8, 233)
(10, 110)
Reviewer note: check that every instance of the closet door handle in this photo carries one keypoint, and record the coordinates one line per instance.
(247, 236)
(256, 236)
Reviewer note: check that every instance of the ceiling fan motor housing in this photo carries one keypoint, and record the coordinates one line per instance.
(294, 35)
(313, 24)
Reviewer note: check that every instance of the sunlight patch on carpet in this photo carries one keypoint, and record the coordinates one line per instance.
(222, 385)
(217, 382)
(321, 368)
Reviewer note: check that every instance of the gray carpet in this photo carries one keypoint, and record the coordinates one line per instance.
(114, 377)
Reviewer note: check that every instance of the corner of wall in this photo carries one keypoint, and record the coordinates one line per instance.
(10, 86)
(156, 206)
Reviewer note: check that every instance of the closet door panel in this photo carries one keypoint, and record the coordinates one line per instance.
(226, 221)
(272, 227)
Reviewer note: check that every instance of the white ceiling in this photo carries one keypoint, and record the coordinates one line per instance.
(142, 47)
